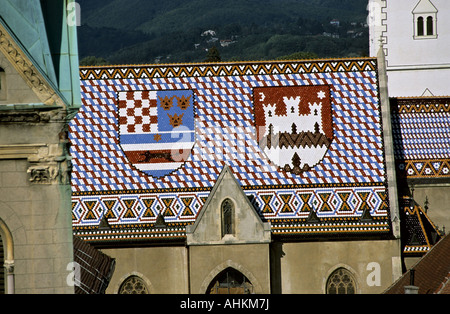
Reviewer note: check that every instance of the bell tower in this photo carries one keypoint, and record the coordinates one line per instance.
(415, 38)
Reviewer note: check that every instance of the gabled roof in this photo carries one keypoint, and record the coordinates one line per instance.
(421, 135)
(327, 178)
(419, 233)
(431, 272)
(425, 6)
(93, 269)
(26, 22)
(248, 228)
(40, 30)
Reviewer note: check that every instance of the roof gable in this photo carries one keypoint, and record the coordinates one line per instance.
(425, 6)
(431, 272)
(26, 22)
(39, 29)
(249, 228)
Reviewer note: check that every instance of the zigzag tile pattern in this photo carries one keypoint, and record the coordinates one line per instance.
(422, 137)
(350, 177)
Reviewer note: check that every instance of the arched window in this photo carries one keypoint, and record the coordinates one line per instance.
(430, 26)
(341, 282)
(420, 30)
(133, 285)
(227, 217)
(425, 20)
(230, 281)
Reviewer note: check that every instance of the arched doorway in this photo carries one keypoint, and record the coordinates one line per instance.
(230, 281)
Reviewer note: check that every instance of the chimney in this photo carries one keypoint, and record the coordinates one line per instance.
(411, 289)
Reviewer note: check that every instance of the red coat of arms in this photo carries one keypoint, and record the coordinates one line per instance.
(294, 125)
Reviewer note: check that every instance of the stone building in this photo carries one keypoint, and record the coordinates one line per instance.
(39, 92)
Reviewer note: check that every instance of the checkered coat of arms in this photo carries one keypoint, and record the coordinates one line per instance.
(157, 129)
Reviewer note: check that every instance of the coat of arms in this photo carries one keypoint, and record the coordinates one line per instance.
(157, 131)
(294, 125)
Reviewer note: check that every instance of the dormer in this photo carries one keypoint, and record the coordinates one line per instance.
(425, 20)
(228, 217)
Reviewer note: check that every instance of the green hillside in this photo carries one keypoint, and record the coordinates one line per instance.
(149, 31)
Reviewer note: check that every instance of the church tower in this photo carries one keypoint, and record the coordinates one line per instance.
(415, 37)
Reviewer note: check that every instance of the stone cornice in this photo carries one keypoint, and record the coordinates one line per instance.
(21, 151)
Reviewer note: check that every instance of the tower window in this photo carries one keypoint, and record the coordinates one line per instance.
(430, 25)
(420, 26)
(425, 20)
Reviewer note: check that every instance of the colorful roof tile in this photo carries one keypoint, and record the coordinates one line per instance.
(431, 272)
(421, 129)
(303, 138)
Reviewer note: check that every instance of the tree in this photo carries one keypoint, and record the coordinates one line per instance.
(92, 60)
(213, 55)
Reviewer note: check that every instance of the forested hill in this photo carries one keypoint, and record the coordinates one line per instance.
(151, 31)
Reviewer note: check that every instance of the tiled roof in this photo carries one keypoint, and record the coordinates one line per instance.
(421, 130)
(419, 233)
(224, 112)
(93, 269)
(431, 272)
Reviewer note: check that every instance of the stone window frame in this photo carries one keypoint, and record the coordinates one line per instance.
(227, 210)
(135, 284)
(342, 276)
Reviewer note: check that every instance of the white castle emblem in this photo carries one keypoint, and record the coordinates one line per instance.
(293, 120)
(294, 135)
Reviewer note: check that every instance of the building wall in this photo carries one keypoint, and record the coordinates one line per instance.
(287, 268)
(438, 203)
(38, 217)
(413, 64)
(206, 262)
(35, 192)
(305, 266)
(163, 269)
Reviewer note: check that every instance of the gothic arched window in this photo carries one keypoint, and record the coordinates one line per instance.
(341, 282)
(133, 285)
(227, 217)
(230, 281)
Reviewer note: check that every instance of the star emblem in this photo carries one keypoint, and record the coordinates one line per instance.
(321, 94)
